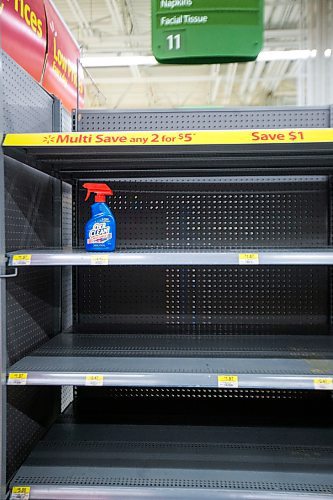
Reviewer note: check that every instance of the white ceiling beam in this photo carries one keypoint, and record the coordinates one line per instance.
(280, 76)
(152, 79)
(231, 75)
(114, 80)
(271, 15)
(135, 72)
(251, 88)
(116, 14)
(216, 82)
(215, 89)
(122, 96)
(131, 17)
(287, 14)
(285, 93)
(249, 68)
(79, 16)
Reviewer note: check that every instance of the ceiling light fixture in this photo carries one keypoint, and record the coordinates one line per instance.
(114, 61)
(264, 56)
(286, 55)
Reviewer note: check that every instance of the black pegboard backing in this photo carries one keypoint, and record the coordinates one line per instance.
(31, 222)
(66, 120)
(241, 118)
(32, 305)
(30, 210)
(203, 300)
(27, 106)
(32, 310)
(29, 413)
(117, 295)
(195, 406)
(177, 393)
(221, 213)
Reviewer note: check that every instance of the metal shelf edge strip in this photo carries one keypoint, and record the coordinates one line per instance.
(77, 258)
(117, 493)
(245, 381)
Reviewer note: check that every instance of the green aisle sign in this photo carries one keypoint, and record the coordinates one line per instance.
(207, 31)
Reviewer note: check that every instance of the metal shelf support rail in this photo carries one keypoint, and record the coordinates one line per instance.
(3, 355)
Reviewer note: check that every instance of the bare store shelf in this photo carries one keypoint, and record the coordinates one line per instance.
(76, 461)
(187, 361)
(76, 257)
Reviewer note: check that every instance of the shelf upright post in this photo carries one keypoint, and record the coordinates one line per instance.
(3, 356)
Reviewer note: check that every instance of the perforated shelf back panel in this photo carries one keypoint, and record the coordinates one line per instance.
(242, 213)
(197, 406)
(203, 300)
(30, 221)
(217, 213)
(32, 302)
(27, 106)
(242, 118)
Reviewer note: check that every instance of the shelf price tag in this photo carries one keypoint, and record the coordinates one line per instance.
(22, 260)
(227, 381)
(20, 493)
(248, 258)
(323, 384)
(99, 260)
(17, 379)
(94, 380)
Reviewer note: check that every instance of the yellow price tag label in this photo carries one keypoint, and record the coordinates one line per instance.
(99, 260)
(171, 138)
(94, 380)
(17, 379)
(248, 258)
(22, 260)
(323, 384)
(20, 493)
(228, 381)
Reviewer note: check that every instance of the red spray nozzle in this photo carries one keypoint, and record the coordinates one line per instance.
(101, 191)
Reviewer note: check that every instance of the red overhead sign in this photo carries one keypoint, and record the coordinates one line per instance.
(36, 37)
(60, 76)
(23, 30)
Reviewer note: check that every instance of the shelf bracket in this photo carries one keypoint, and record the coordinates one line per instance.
(7, 276)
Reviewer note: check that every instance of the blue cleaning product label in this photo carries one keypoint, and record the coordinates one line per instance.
(99, 233)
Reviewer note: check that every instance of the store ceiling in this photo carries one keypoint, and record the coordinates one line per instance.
(123, 27)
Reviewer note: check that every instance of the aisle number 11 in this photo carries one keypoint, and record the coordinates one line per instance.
(174, 42)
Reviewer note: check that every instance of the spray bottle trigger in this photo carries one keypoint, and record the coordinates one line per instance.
(101, 191)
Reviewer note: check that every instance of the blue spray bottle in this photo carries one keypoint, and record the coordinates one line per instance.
(100, 230)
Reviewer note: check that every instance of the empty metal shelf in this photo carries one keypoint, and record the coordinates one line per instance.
(76, 257)
(78, 461)
(266, 362)
(188, 346)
